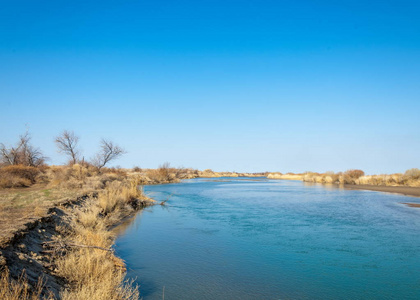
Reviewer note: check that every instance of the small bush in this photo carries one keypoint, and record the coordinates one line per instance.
(354, 173)
(18, 176)
(14, 182)
(21, 171)
(137, 169)
(162, 174)
(413, 173)
(117, 171)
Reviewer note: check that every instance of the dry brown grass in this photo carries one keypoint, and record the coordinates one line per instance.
(412, 173)
(83, 177)
(163, 174)
(348, 177)
(357, 177)
(96, 273)
(19, 289)
(119, 194)
(278, 175)
(18, 176)
(21, 206)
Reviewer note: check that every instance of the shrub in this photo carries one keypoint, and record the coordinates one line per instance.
(14, 182)
(21, 171)
(163, 174)
(137, 169)
(117, 171)
(18, 176)
(354, 173)
(23, 153)
(413, 173)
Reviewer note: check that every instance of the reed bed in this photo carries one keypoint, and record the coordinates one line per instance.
(410, 178)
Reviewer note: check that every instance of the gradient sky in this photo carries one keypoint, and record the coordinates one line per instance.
(228, 85)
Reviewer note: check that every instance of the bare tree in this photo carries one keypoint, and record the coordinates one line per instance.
(22, 154)
(67, 143)
(7, 155)
(14, 155)
(33, 156)
(109, 151)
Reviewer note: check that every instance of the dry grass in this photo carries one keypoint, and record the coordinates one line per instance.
(18, 176)
(21, 206)
(19, 290)
(96, 273)
(165, 174)
(409, 178)
(288, 176)
(120, 194)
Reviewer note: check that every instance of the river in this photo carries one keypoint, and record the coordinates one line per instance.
(249, 238)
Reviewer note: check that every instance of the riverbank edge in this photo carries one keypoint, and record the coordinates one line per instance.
(27, 255)
(402, 190)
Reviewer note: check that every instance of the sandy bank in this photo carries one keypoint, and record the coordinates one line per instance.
(285, 176)
(404, 190)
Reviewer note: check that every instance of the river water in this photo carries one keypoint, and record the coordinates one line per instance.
(273, 239)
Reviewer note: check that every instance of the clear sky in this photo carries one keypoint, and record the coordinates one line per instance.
(231, 85)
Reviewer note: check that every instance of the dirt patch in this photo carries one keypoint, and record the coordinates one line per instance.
(23, 206)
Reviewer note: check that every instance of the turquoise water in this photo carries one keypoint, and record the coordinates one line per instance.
(268, 239)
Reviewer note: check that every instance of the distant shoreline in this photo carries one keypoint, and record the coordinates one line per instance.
(413, 191)
(404, 190)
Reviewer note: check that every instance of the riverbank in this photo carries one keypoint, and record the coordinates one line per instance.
(70, 249)
(57, 235)
(403, 190)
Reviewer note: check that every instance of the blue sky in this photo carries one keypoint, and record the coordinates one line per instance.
(228, 85)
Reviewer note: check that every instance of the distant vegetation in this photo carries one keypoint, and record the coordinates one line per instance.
(410, 178)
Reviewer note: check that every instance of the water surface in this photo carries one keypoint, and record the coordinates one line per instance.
(273, 239)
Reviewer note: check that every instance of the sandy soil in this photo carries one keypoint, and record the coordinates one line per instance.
(404, 190)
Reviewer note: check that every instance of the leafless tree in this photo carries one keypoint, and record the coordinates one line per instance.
(22, 154)
(67, 143)
(109, 151)
(7, 155)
